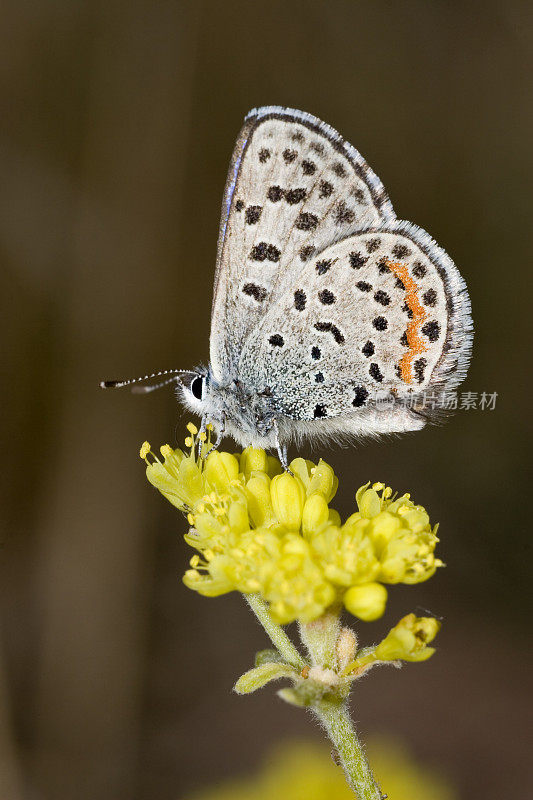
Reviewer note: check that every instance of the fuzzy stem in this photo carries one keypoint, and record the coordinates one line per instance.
(276, 633)
(335, 718)
(333, 714)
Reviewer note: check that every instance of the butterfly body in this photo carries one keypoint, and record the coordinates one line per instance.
(331, 318)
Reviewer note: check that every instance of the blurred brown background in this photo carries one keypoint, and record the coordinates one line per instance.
(118, 121)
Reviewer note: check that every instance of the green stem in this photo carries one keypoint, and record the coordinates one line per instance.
(276, 633)
(332, 714)
(335, 718)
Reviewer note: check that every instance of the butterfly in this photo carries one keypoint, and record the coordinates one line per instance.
(324, 302)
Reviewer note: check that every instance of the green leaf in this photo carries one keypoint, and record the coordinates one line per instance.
(293, 697)
(268, 657)
(259, 676)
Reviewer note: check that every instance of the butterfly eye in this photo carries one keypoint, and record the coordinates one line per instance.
(197, 387)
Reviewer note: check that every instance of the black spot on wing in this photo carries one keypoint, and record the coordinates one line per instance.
(419, 366)
(382, 297)
(306, 221)
(360, 396)
(294, 196)
(339, 169)
(357, 260)
(329, 327)
(383, 265)
(323, 266)
(259, 293)
(300, 299)
(343, 215)
(430, 297)
(375, 372)
(326, 297)
(289, 155)
(407, 310)
(317, 147)
(400, 251)
(306, 252)
(275, 193)
(372, 245)
(359, 196)
(252, 214)
(419, 270)
(325, 189)
(265, 252)
(431, 330)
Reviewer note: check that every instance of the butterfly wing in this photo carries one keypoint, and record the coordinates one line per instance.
(294, 188)
(381, 311)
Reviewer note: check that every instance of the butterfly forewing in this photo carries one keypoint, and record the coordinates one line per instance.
(294, 188)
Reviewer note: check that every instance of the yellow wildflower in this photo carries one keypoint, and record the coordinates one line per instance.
(260, 530)
(408, 640)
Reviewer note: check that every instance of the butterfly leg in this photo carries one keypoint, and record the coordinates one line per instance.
(282, 450)
(200, 444)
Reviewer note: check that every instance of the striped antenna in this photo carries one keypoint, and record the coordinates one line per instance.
(174, 373)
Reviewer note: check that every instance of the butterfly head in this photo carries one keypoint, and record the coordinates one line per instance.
(248, 414)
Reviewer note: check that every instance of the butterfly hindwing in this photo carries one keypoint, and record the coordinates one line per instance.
(294, 188)
(380, 311)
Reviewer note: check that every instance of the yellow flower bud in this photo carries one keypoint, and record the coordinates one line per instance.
(208, 527)
(366, 601)
(382, 528)
(369, 503)
(165, 483)
(253, 458)
(334, 517)
(288, 496)
(259, 500)
(238, 517)
(220, 470)
(323, 481)
(302, 469)
(408, 640)
(273, 466)
(315, 514)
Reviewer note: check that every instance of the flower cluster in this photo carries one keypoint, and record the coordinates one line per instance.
(260, 530)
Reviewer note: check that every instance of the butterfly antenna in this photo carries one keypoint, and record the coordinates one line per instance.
(173, 373)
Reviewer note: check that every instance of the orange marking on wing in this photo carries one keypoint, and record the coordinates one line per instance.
(416, 345)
